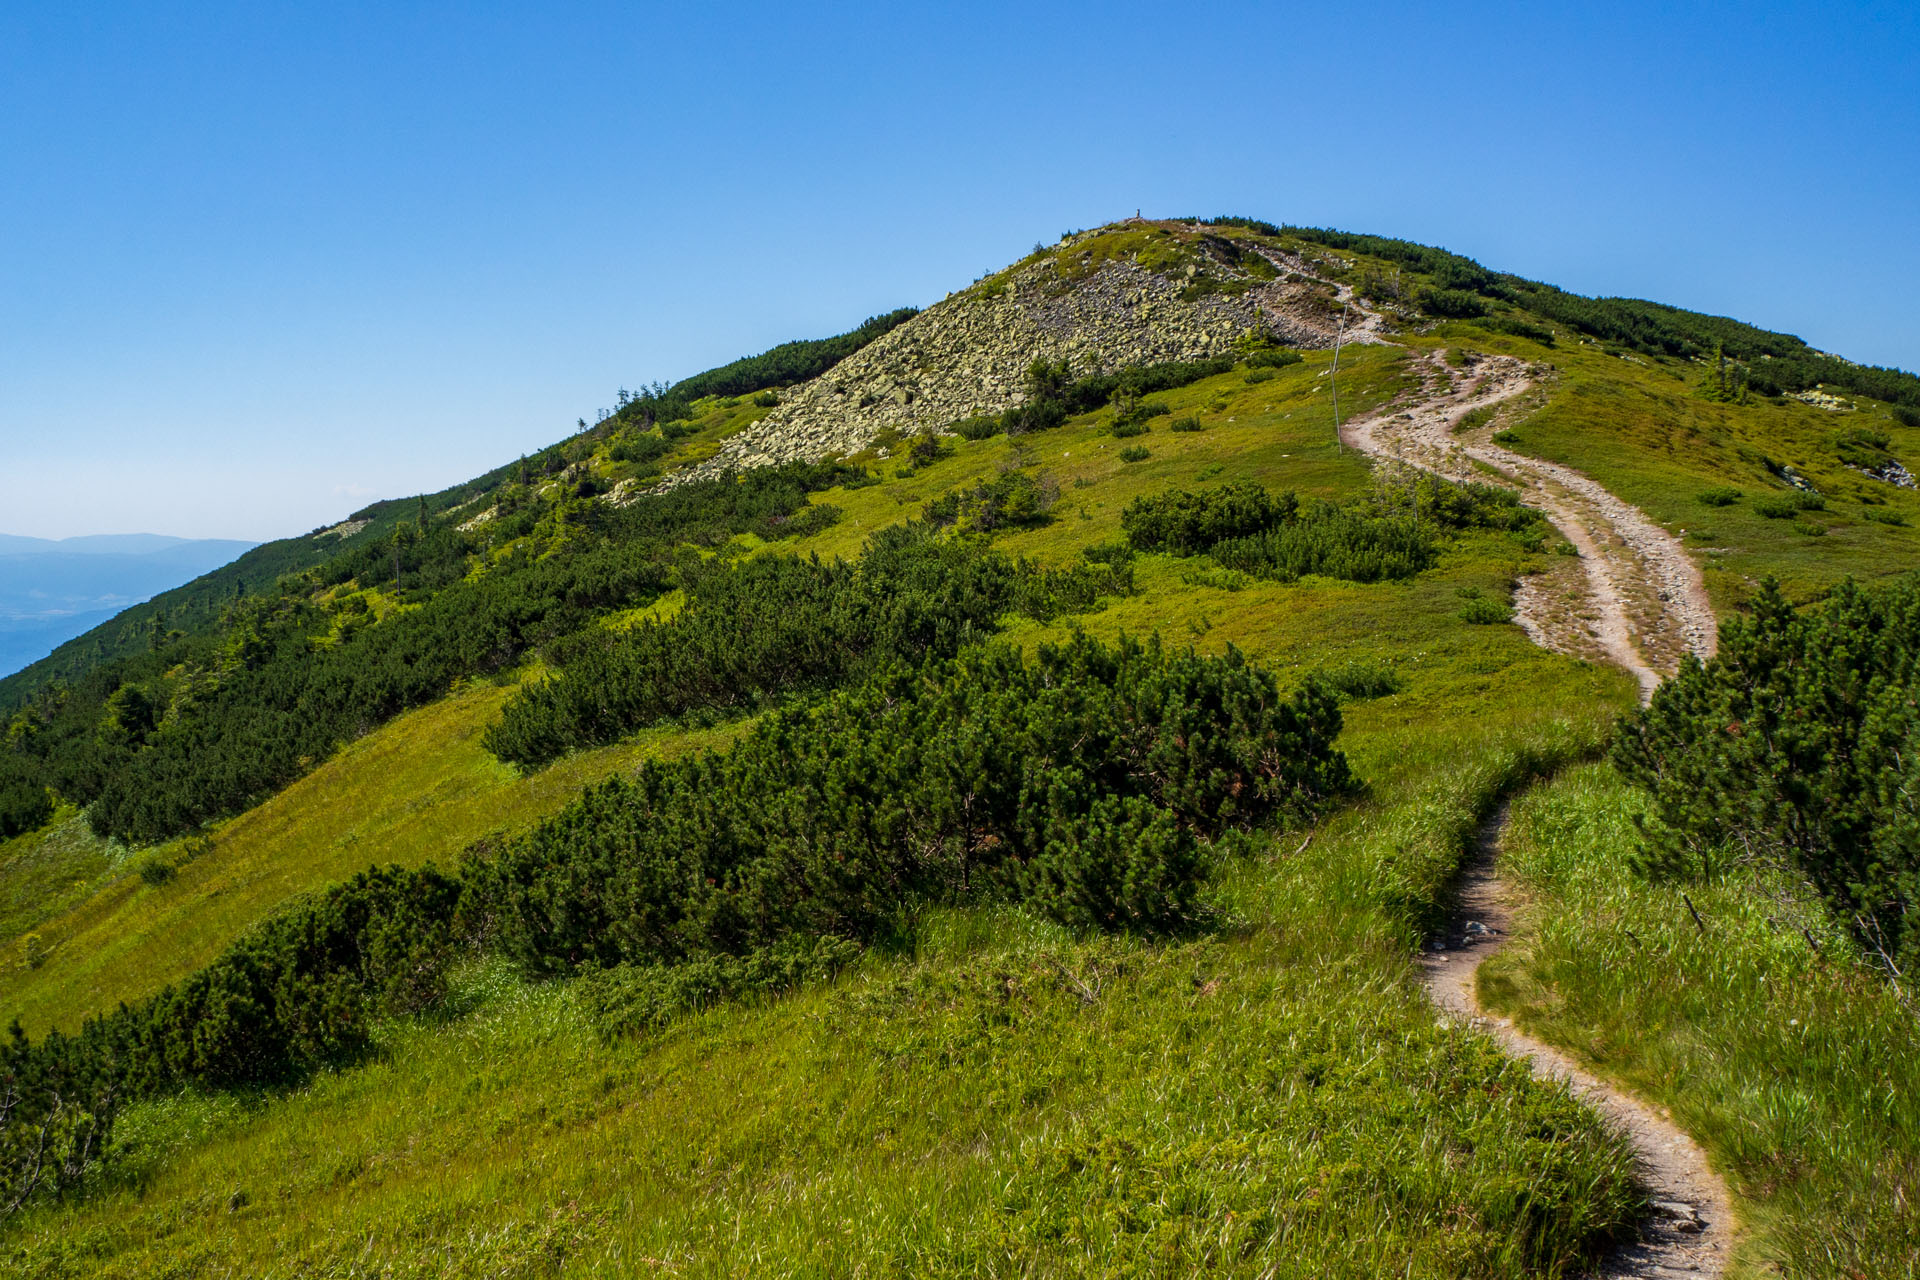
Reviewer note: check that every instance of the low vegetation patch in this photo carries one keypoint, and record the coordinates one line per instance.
(204, 727)
(1393, 533)
(1085, 785)
(1786, 506)
(756, 631)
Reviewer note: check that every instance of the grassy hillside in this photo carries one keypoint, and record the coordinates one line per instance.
(423, 787)
(1639, 426)
(418, 790)
(1791, 1061)
(198, 606)
(1231, 1104)
(1312, 984)
(974, 1087)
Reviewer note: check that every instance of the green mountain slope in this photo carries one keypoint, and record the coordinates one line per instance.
(1027, 1010)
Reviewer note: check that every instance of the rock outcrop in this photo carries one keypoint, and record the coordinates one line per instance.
(968, 354)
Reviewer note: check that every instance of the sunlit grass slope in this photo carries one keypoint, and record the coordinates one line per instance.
(999, 1097)
(994, 1096)
(419, 789)
(1278, 431)
(1637, 425)
(1795, 1065)
(1004, 1099)
(45, 872)
(423, 787)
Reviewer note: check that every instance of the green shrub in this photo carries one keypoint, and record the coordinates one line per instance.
(754, 632)
(1360, 678)
(1126, 428)
(1185, 523)
(640, 448)
(154, 870)
(1271, 536)
(1516, 328)
(766, 400)
(1721, 496)
(927, 450)
(1212, 575)
(1110, 861)
(1455, 304)
(1054, 396)
(1485, 612)
(1139, 413)
(1785, 506)
(1184, 424)
(1506, 437)
(1884, 515)
(1799, 742)
(1277, 358)
(280, 702)
(1809, 529)
(1260, 375)
(978, 428)
(1134, 453)
(1116, 552)
(971, 779)
(1333, 543)
(1011, 500)
(25, 805)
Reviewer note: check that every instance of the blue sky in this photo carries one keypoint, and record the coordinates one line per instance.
(260, 265)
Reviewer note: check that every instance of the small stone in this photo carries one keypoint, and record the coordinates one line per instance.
(1683, 1215)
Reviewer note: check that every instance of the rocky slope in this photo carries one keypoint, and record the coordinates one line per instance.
(1138, 293)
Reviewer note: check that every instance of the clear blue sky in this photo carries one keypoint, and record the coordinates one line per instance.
(258, 266)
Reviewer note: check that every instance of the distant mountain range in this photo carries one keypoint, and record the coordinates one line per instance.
(52, 590)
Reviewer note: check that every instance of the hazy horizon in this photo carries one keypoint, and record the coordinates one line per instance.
(52, 591)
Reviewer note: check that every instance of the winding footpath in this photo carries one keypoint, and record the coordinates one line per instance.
(1632, 597)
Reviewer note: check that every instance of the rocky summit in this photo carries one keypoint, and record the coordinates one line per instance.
(1134, 294)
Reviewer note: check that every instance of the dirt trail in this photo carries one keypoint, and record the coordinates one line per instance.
(1690, 1229)
(1632, 597)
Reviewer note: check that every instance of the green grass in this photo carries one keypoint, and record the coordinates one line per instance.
(422, 788)
(1636, 426)
(1278, 432)
(46, 872)
(419, 789)
(999, 1099)
(1797, 1069)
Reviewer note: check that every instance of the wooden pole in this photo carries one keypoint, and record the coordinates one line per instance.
(1334, 377)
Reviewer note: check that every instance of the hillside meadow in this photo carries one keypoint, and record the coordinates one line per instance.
(984, 1092)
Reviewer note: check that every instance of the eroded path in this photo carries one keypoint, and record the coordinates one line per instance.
(1632, 597)
(1690, 1229)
